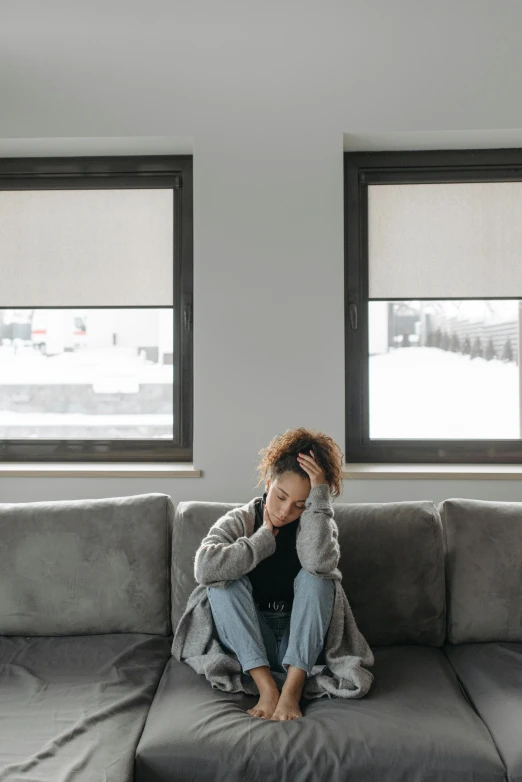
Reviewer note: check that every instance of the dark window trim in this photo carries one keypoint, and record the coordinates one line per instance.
(172, 171)
(434, 166)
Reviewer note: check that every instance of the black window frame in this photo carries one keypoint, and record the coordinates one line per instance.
(362, 169)
(170, 171)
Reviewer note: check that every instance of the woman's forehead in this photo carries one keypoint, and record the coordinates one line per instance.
(297, 488)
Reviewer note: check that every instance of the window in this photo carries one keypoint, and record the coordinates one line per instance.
(433, 306)
(96, 259)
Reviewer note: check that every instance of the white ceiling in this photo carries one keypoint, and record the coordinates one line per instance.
(172, 69)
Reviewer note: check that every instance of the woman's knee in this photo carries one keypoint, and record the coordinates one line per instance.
(231, 590)
(314, 582)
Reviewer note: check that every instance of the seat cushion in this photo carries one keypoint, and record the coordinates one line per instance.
(73, 708)
(392, 561)
(491, 675)
(414, 724)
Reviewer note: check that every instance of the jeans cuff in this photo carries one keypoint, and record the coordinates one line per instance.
(255, 662)
(297, 663)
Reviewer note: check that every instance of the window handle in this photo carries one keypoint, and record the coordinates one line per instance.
(187, 313)
(353, 315)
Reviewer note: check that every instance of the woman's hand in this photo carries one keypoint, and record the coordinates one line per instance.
(268, 523)
(310, 466)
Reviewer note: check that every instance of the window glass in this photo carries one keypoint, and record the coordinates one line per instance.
(86, 374)
(444, 369)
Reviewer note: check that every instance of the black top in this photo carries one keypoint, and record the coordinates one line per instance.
(273, 577)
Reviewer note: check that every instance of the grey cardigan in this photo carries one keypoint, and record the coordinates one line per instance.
(230, 550)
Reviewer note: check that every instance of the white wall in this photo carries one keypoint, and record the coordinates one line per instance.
(265, 95)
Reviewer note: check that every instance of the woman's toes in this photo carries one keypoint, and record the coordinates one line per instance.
(287, 709)
(265, 707)
(257, 713)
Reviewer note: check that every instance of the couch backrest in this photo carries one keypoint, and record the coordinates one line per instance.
(483, 570)
(192, 521)
(392, 561)
(86, 566)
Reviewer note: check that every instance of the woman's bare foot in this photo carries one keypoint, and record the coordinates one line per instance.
(268, 693)
(287, 708)
(288, 704)
(266, 704)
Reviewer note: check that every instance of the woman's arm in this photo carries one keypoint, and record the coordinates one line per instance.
(317, 542)
(226, 554)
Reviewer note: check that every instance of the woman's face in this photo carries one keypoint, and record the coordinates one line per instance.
(286, 498)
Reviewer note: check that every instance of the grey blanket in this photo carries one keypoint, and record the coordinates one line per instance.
(230, 550)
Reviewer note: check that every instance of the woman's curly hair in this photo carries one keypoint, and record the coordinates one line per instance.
(281, 456)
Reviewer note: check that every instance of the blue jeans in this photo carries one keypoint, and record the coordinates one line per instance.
(276, 639)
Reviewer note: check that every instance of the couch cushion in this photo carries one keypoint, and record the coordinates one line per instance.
(392, 561)
(80, 567)
(414, 724)
(491, 675)
(73, 708)
(483, 570)
(192, 521)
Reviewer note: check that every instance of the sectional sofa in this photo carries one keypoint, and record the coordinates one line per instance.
(90, 591)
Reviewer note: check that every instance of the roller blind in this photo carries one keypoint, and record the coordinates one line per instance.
(451, 240)
(103, 248)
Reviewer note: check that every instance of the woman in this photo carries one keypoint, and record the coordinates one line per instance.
(269, 604)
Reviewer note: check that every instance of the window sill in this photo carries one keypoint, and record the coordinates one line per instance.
(359, 471)
(362, 471)
(97, 470)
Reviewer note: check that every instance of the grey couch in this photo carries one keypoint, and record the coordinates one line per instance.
(89, 691)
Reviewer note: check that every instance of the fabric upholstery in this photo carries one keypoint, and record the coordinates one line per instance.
(414, 724)
(491, 675)
(72, 709)
(192, 521)
(81, 567)
(483, 570)
(392, 561)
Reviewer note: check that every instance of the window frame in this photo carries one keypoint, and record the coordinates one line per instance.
(362, 169)
(170, 171)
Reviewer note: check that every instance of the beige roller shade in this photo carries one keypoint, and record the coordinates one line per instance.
(86, 248)
(446, 240)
